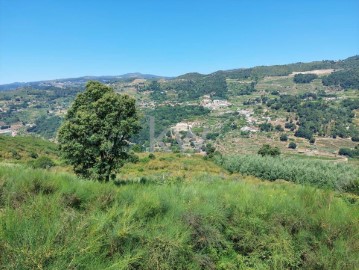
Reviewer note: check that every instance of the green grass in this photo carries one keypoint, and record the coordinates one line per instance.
(167, 166)
(57, 221)
(19, 149)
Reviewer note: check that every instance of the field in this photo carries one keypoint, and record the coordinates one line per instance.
(56, 221)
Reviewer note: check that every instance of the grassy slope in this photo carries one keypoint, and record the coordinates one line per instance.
(56, 221)
(24, 146)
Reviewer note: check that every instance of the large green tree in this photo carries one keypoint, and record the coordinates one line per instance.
(95, 135)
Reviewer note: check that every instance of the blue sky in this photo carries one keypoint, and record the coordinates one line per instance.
(58, 39)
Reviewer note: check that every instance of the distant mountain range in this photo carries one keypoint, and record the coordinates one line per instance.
(242, 73)
(80, 81)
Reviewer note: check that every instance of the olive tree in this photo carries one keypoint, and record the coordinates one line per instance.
(95, 135)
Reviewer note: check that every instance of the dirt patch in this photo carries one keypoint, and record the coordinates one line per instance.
(317, 72)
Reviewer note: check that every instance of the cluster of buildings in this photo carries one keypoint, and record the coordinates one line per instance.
(185, 138)
(214, 104)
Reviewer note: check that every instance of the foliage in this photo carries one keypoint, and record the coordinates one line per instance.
(248, 89)
(27, 148)
(344, 78)
(267, 150)
(304, 78)
(212, 135)
(353, 153)
(46, 126)
(292, 145)
(209, 149)
(266, 127)
(285, 70)
(94, 137)
(193, 87)
(283, 137)
(324, 174)
(318, 116)
(42, 163)
(56, 221)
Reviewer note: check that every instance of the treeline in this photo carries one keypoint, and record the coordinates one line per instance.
(344, 78)
(285, 70)
(304, 78)
(190, 86)
(323, 174)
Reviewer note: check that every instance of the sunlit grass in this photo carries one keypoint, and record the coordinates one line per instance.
(57, 221)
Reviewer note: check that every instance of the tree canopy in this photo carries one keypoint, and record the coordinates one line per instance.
(95, 135)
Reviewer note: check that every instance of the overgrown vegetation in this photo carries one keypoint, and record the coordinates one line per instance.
(304, 78)
(323, 174)
(24, 149)
(344, 78)
(56, 221)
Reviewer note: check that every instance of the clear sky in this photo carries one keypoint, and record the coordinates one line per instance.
(47, 39)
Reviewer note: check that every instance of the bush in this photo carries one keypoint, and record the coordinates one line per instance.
(312, 140)
(279, 128)
(267, 150)
(355, 138)
(283, 138)
(33, 155)
(15, 154)
(353, 153)
(292, 145)
(151, 156)
(266, 127)
(289, 125)
(42, 163)
(137, 148)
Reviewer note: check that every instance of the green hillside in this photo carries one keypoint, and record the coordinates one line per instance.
(23, 149)
(56, 221)
(206, 198)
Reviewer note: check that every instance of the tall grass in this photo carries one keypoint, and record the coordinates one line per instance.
(319, 173)
(56, 221)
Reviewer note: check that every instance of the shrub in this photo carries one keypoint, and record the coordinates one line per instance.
(151, 156)
(267, 150)
(279, 128)
(292, 145)
(133, 158)
(312, 140)
(289, 125)
(355, 138)
(137, 148)
(283, 137)
(15, 154)
(33, 155)
(266, 127)
(42, 163)
(353, 153)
